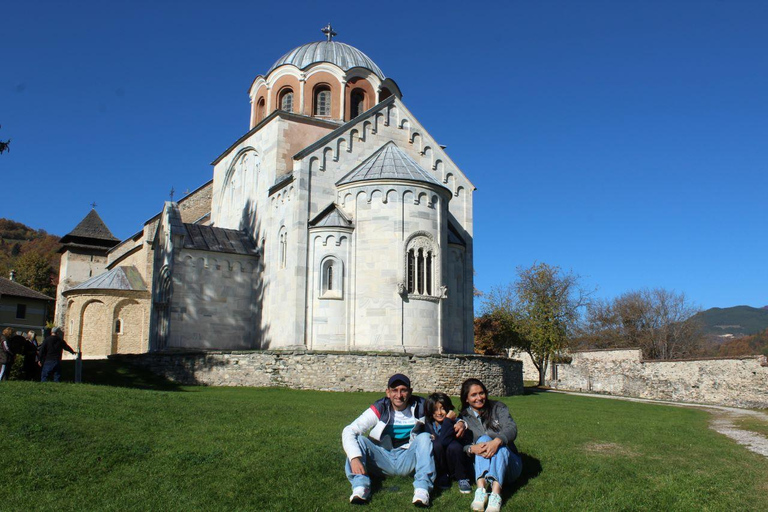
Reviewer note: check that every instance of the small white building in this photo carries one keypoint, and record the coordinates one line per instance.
(336, 223)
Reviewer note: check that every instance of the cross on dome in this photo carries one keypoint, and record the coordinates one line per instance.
(328, 31)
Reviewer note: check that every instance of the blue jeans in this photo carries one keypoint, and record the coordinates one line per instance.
(416, 459)
(48, 367)
(503, 465)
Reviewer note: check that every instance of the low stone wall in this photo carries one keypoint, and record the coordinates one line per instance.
(330, 371)
(738, 382)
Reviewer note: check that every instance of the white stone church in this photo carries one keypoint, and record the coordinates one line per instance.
(336, 223)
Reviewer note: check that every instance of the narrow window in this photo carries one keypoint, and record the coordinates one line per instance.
(420, 270)
(323, 101)
(21, 311)
(286, 101)
(357, 103)
(118, 326)
(261, 108)
(429, 273)
(283, 249)
(329, 277)
(411, 271)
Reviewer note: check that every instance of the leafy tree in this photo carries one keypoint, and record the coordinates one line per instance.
(658, 321)
(537, 312)
(34, 271)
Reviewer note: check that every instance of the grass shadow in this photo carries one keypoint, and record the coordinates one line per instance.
(531, 469)
(104, 372)
(534, 390)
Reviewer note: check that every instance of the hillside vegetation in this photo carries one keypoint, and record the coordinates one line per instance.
(32, 253)
(737, 320)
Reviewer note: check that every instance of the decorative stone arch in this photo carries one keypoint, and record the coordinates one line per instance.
(439, 167)
(459, 191)
(405, 124)
(245, 166)
(421, 266)
(391, 195)
(313, 164)
(326, 152)
(128, 327)
(92, 331)
(341, 145)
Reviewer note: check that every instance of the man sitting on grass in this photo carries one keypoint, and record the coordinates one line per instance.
(389, 448)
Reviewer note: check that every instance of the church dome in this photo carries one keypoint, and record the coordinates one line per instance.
(343, 55)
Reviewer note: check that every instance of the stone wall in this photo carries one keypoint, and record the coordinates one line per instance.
(739, 382)
(328, 371)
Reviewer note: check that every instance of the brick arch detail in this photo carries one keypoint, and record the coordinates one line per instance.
(317, 79)
(280, 84)
(363, 85)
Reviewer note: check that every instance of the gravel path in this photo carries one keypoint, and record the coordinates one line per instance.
(723, 419)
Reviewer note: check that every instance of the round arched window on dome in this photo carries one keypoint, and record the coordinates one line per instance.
(322, 106)
(356, 103)
(286, 99)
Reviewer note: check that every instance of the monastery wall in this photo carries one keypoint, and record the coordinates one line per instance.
(333, 371)
(213, 301)
(738, 382)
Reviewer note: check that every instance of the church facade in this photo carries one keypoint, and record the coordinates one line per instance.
(336, 223)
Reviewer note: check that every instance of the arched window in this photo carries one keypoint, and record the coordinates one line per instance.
(420, 267)
(261, 110)
(282, 247)
(384, 93)
(331, 278)
(118, 326)
(322, 105)
(286, 100)
(356, 103)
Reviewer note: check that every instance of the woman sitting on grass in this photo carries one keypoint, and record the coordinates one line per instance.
(450, 460)
(494, 432)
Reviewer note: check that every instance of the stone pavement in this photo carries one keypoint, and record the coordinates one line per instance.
(723, 419)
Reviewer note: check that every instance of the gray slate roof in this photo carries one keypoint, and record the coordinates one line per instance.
(119, 278)
(343, 55)
(91, 227)
(209, 238)
(331, 216)
(14, 289)
(389, 163)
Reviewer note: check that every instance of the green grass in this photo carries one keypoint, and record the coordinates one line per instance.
(753, 424)
(165, 447)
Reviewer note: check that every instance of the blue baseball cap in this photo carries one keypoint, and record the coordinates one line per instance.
(399, 378)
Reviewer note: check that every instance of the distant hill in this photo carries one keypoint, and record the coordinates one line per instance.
(17, 239)
(738, 320)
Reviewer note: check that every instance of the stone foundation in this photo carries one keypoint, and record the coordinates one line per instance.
(328, 371)
(738, 382)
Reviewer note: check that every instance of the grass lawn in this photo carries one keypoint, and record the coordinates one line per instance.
(754, 424)
(105, 446)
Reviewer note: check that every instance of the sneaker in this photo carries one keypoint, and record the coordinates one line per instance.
(494, 503)
(465, 487)
(480, 498)
(360, 495)
(421, 498)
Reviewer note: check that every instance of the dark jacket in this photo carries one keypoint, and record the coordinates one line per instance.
(499, 425)
(52, 348)
(446, 435)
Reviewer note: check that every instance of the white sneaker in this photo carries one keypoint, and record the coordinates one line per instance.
(360, 495)
(494, 503)
(481, 496)
(421, 498)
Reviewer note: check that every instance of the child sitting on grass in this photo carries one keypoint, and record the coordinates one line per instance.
(450, 459)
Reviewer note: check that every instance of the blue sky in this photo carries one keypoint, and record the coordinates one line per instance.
(627, 141)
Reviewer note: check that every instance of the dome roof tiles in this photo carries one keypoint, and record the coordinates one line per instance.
(341, 54)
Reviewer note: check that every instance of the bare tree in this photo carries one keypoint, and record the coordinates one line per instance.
(537, 312)
(656, 320)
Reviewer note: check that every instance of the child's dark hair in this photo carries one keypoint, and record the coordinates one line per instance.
(436, 398)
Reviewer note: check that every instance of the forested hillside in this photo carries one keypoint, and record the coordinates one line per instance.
(32, 253)
(737, 320)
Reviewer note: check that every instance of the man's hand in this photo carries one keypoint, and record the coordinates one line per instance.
(459, 428)
(357, 466)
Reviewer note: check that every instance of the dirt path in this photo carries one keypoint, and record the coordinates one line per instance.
(724, 419)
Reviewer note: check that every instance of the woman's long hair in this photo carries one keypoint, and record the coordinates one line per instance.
(485, 412)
